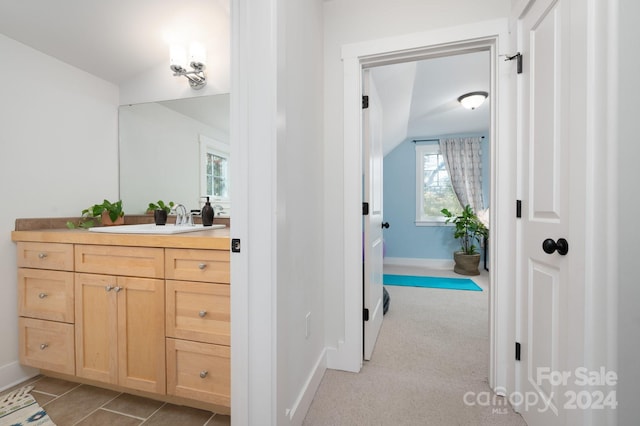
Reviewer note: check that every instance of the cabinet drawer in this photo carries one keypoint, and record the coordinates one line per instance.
(47, 345)
(198, 265)
(45, 294)
(198, 311)
(199, 371)
(119, 260)
(45, 256)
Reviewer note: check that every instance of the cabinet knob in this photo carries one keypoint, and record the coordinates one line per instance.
(202, 265)
(42, 255)
(44, 346)
(202, 313)
(42, 295)
(108, 287)
(203, 374)
(117, 289)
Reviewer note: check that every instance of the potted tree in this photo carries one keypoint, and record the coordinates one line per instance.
(107, 213)
(468, 229)
(160, 211)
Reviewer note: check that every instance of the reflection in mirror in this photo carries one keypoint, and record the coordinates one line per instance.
(174, 151)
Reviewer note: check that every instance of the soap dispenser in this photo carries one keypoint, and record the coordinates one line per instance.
(207, 213)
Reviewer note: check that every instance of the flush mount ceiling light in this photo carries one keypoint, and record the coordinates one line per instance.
(472, 100)
(178, 60)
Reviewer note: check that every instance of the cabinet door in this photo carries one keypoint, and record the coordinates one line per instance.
(96, 327)
(141, 354)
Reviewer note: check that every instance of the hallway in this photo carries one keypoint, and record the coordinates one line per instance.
(429, 366)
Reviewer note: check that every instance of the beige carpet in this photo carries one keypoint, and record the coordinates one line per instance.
(432, 350)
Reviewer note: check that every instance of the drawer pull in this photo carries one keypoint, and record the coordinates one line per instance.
(203, 374)
(42, 255)
(42, 295)
(117, 289)
(202, 313)
(108, 288)
(202, 266)
(44, 346)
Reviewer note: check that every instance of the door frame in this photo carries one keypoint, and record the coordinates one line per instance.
(489, 35)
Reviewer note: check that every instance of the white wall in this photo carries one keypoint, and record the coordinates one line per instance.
(350, 21)
(59, 155)
(300, 188)
(159, 84)
(627, 214)
(277, 191)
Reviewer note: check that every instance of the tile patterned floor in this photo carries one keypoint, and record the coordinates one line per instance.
(70, 404)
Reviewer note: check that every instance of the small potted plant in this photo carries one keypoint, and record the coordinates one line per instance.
(160, 211)
(106, 212)
(468, 229)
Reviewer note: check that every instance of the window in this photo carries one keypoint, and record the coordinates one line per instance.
(214, 171)
(433, 186)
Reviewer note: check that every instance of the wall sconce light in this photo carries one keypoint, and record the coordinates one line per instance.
(197, 57)
(473, 100)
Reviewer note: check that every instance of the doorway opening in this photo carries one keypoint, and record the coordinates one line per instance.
(358, 57)
(412, 105)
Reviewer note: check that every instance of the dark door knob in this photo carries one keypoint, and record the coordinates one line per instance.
(549, 246)
(385, 225)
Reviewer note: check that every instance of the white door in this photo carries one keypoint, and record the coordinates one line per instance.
(372, 226)
(548, 210)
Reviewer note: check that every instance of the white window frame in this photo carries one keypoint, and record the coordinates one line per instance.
(421, 151)
(221, 149)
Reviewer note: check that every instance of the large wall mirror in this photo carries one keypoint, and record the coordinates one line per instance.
(175, 151)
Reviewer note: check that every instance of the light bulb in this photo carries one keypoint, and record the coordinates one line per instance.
(177, 57)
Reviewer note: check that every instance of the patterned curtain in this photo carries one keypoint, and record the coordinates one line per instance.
(462, 157)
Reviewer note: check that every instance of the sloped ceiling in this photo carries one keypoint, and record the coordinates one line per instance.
(419, 99)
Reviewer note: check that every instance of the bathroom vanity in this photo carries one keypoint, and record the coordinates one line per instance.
(144, 314)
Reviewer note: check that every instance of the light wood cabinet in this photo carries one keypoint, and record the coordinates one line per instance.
(129, 312)
(199, 312)
(120, 331)
(199, 371)
(46, 344)
(198, 325)
(46, 306)
(45, 294)
(55, 256)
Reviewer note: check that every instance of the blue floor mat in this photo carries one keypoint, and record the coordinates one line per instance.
(431, 282)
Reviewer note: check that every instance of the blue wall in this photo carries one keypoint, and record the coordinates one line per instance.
(403, 238)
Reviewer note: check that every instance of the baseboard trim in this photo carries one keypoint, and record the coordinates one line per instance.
(420, 262)
(298, 410)
(13, 373)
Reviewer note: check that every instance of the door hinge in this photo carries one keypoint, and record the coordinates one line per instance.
(365, 314)
(517, 351)
(365, 102)
(518, 208)
(518, 58)
(235, 245)
(365, 209)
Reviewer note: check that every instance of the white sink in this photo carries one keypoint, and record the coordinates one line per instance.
(152, 228)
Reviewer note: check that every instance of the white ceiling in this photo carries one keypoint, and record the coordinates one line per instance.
(419, 99)
(119, 39)
(115, 39)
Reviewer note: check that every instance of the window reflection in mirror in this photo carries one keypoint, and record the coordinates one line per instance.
(161, 152)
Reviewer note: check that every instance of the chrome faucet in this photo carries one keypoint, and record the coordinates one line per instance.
(183, 217)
